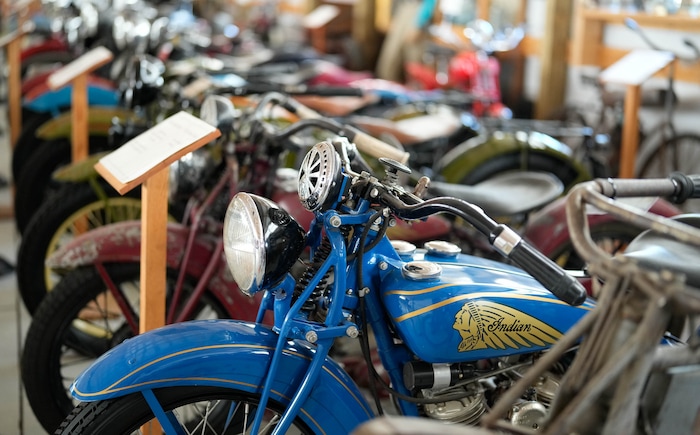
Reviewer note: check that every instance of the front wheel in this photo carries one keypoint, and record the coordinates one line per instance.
(36, 184)
(81, 320)
(68, 213)
(680, 153)
(201, 410)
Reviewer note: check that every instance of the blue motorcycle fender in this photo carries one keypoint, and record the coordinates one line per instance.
(53, 101)
(224, 353)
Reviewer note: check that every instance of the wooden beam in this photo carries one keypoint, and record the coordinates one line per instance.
(630, 131)
(364, 32)
(553, 59)
(154, 238)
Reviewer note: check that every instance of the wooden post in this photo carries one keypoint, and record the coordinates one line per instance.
(14, 89)
(13, 42)
(632, 71)
(76, 72)
(144, 160)
(553, 59)
(154, 219)
(364, 32)
(630, 131)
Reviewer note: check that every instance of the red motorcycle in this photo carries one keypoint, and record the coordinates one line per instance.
(450, 64)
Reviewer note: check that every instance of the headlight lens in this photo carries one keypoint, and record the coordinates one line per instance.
(244, 243)
(261, 241)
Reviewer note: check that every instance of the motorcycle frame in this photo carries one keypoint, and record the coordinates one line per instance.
(171, 364)
(614, 368)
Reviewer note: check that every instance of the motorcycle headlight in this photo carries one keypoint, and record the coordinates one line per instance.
(261, 241)
(320, 177)
(218, 111)
(190, 172)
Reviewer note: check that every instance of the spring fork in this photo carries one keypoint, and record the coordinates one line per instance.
(167, 420)
(335, 259)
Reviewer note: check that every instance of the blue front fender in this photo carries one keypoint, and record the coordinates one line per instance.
(224, 353)
(53, 101)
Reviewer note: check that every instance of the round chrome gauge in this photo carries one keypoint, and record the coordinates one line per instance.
(319, 177)
(442, 248)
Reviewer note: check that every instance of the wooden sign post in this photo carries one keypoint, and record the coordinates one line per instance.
(13, 42)
(145, 160)
(77, 73)
(633, 70)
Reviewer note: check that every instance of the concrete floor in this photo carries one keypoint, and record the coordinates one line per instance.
(16, 416)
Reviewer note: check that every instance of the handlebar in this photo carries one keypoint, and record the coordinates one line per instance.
(322, 91)
(364, 142)
(598, 193)
(504, 239)
(634, 26)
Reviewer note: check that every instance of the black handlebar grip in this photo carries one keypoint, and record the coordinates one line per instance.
(333, 91)
(548, 273)
(687, 186)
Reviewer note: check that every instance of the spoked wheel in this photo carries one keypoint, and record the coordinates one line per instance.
(35, 185)
(680, 153)
(200, 410)
(612, 237)
(79, 321)
(70, 212)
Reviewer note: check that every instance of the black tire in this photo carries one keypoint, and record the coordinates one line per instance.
(126, 414)
(78, 322)
(47, 58)
(35, 183)
(53, 224)
(613, 237)
(679, 153)
(518, 161)
(27, 142)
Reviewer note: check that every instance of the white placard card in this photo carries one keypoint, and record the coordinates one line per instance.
(88, 62)
(156, 146)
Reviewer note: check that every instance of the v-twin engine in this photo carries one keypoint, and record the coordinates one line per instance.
(478, 396)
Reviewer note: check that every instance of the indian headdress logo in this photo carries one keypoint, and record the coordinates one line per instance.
(485, 324)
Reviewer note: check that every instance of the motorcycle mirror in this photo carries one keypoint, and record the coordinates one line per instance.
(631, 24)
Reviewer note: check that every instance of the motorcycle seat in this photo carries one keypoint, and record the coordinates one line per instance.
(506, 194)
(657, 251)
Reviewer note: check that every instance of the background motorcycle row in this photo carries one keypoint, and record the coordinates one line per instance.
(15, 414)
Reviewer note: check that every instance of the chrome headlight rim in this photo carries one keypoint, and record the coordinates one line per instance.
(243, 220)
(188, 173)
(274, 241)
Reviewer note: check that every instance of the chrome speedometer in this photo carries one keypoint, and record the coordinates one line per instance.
(320, 177)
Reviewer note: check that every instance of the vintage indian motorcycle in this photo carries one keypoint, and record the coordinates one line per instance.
(453, 331)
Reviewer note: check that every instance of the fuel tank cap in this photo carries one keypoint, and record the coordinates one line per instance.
(403, 247)
(442, 248)
(421, 270)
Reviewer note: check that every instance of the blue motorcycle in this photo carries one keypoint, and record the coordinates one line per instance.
(452, 332)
